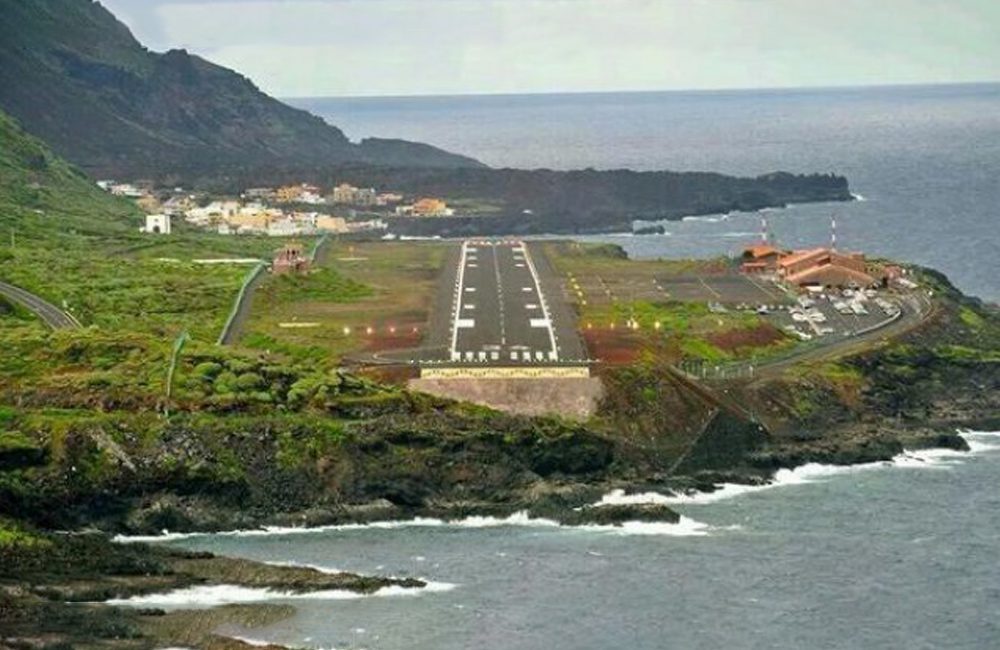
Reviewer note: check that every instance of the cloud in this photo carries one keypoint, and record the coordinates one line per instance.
(317, 47)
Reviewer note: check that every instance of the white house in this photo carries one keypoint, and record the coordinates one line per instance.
(157, 224)
(283, 228)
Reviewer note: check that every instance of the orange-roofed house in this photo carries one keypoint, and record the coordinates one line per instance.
(760, 258)
(431, 208)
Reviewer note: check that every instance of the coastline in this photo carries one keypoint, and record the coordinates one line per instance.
(230, 593)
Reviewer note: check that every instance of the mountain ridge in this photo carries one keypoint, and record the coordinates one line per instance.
(76, 77)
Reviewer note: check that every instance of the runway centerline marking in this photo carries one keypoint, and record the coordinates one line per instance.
(503, 320)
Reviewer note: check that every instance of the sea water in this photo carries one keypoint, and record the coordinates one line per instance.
(884, 555)
(924, 159)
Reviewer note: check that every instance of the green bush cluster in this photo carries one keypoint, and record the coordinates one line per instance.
(228, 381)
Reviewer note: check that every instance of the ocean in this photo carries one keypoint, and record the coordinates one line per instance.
(924, 160)
(888, 555)
(899, 554)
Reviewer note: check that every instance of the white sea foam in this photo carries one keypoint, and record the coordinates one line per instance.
(214, 595)
(305, 565)
(686, 527)
(619, 498)
(707, 218)
(858, 197)
(979, 441)
(518, 519)
(257, 643)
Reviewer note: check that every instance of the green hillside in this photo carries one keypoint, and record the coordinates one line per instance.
(42, 197)
(68, 241)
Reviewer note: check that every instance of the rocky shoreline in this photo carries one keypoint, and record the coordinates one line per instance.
(55, 589)
(50, 596)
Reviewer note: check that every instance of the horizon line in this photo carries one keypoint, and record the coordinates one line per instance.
(649, 91)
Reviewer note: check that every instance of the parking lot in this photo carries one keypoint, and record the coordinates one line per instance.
(832, 314)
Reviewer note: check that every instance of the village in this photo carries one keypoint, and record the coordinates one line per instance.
(287, 211)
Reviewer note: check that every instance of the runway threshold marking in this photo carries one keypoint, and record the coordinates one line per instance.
(522, 258)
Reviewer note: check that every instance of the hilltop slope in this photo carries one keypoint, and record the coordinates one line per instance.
(41, 195)
(76, 77)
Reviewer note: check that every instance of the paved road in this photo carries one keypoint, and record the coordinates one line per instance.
(49, 313)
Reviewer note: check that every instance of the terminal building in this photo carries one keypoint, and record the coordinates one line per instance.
(824, 267)
(821, 267)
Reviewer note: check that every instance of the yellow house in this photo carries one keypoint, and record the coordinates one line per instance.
(289, 193)
(428, 207)
(331, 224)
(257, 221)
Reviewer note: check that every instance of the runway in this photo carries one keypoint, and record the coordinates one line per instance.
(500, 313)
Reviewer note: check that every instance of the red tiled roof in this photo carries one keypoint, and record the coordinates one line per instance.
(842, 275)
(800, 256)
(760, 250)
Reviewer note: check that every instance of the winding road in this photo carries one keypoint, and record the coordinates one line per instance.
(49, 313)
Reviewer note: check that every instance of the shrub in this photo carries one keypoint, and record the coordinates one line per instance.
(208, 370)
(248, 381)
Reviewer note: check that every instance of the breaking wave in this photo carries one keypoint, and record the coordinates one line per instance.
(939, 459)
(203, 596)
(716, 218)
(933, 459)
(304, 565)
(685, 527)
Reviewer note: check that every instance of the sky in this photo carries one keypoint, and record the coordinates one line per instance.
(309, 48)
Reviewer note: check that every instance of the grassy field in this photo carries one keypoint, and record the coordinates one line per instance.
(361, 296)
